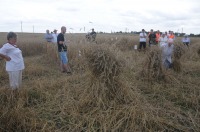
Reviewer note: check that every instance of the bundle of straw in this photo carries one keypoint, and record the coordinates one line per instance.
(198, 51)
(178, 52)
(153, 68)
(106, 83)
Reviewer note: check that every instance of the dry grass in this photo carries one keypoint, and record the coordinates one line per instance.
(198, 51)
(106, 92)
(178, 52)
(153, 69)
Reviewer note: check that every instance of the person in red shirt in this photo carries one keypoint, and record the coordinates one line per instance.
(157, 36)
(171, 35)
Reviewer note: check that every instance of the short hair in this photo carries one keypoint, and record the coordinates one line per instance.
(11, 35)
(63, 27)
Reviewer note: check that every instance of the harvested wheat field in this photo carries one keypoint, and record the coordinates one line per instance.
(113, 87)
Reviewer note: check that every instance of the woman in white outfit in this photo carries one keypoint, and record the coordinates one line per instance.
(14, 60)
(163, 39)
(167, 51)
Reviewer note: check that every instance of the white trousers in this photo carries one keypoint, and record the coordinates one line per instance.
(15, 79)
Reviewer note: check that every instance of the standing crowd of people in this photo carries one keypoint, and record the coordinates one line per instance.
(164, 40)
(51, 37)
(14, 59)
(59, 39)
(154, 38)
(15, 62)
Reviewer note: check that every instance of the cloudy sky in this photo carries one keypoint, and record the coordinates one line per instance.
(103, 15)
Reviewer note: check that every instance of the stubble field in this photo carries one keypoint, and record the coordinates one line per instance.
(113, 87)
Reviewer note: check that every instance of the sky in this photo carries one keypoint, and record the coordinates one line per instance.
(80, 16)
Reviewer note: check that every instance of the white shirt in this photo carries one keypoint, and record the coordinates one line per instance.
(167, 52)
(168, 35)
(163, 40)
(143, 36)
(16, 63)
(54, 39)
(186, 40)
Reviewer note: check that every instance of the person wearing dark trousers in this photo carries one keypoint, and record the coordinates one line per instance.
(186, 40)
(152, 38)
(143, 37)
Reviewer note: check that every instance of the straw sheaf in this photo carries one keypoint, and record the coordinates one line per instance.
(198, 51)
(104, 65)
(153, 68)
(106, 83)
(178, 53)
(124, 44)
(176, 65)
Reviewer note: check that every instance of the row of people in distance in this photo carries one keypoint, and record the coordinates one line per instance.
(158, 38)
(52, 37)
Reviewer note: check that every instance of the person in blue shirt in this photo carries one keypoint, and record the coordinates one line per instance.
(48, 36)
(186, 40)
